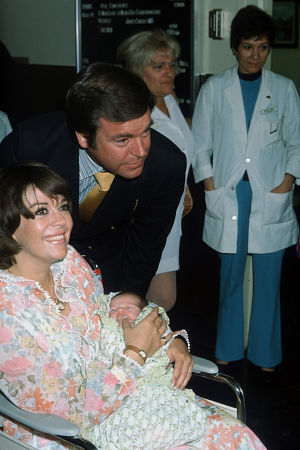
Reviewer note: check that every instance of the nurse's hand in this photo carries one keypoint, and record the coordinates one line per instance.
(209, 184)
(188, 202)
(285, 186)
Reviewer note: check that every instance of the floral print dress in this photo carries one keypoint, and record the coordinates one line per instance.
(51, 363)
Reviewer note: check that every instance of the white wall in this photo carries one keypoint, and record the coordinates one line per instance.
(212, 56)
(42, 30)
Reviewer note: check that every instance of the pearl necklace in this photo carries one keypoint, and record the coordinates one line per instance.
(60, 305)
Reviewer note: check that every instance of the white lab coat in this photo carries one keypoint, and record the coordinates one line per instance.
(224, 150)
(175, 128)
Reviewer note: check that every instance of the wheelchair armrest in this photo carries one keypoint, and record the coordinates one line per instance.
(204, 365)
(208, 369)
(46, 423)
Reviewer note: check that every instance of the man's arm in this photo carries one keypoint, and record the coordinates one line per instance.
(162, 186)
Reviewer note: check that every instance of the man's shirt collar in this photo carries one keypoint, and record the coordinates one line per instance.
(87, 167)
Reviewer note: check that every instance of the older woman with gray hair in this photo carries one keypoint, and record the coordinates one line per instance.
(153, 55)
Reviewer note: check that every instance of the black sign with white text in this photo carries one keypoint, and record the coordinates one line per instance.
(104, 24)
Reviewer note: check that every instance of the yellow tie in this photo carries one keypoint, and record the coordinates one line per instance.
(94, 198)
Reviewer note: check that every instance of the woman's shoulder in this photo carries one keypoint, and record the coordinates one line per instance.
(282, 88)
(74, 258)
(224, 77)
(8, 281)
(172, 99)
(7, 285)
(172, 104)
(274, 77)
(76, 262)
(16, 295)
(74, 270)
(214, 85)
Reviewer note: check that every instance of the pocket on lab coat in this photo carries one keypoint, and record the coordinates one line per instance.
(272, 131)
(278, 207)
(215, 203)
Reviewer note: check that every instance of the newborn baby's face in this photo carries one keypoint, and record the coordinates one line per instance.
(125, 306)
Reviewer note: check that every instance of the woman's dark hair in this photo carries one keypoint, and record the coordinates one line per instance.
(105, 91)
(250, 22)
(14, 181)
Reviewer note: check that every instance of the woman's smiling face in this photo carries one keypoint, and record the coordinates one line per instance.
(44, 238)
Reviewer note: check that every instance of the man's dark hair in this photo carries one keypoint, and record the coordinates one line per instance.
(250, 22)
(14, 181)
(105, 91)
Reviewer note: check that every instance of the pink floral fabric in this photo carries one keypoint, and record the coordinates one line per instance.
(51, 363)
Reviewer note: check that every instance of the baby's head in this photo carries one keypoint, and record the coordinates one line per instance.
(126, 305)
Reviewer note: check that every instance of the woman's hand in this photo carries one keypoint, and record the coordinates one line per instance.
(209, 184)
(146, 335)
(179, 354)
(188, 202)
(285, 186)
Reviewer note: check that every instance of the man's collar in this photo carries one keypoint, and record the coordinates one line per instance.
(87, 167)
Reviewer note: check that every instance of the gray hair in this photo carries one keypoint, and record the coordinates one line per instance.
(139, 50)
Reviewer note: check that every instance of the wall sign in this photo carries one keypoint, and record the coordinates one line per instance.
(102, 25)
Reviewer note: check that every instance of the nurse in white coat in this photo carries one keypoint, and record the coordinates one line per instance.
(246, 127)
(153, 55)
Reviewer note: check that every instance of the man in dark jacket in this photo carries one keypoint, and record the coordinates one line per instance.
(108, 117)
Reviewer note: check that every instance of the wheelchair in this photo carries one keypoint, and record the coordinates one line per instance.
(56, 426)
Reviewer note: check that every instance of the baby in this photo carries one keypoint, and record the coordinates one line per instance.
(157, 415)
(126, 305)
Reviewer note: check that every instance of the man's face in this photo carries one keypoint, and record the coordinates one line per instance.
(121, 147)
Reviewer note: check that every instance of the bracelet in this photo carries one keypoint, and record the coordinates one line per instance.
(142, 353)
(183, 336)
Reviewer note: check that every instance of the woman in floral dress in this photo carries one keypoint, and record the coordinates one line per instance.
(50, 329)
